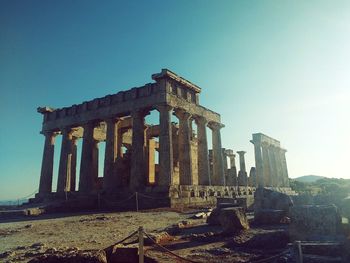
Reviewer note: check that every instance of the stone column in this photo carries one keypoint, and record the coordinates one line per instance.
(218, 163)
(65, 166)
(233, 169)
(242, 174)
(45, 185)
(258, 164)
(284, 167)
(185, 158)
(95, 153)
(73, 176)
(277, 159)
(273, 168)
(166, 162)
(86, 181)
(266, 165)
(232, 161)
(151, 162)
(110, 180)
(138, 164)
(202, 150)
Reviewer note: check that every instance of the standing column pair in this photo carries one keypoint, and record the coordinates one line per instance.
(89, 160)
(67, 166)
(138, 162)
(185, 158)
(113, 151)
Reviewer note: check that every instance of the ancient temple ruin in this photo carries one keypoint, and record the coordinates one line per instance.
(270, 162)
(185, 172)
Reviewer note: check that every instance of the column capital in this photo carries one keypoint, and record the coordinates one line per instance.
(215, 125)
(182, 114)
(200, 120)
(112, 119)
(90, 124)
(241, 152)
(50, 133)
(164, 107)
(139, 113)
(265, 144)
(282, 150)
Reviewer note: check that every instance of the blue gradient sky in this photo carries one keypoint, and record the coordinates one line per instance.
(277, 67)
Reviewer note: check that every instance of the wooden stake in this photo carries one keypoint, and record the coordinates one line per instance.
(141, 254)
(137, 202)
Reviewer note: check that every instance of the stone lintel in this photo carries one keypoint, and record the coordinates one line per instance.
(45, 109)
(260, 138)
(166, 73)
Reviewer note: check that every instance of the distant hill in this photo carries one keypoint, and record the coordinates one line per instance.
(308, 178)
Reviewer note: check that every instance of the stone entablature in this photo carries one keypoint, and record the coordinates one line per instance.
(163, 92)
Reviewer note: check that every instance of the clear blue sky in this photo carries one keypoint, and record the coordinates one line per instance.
(277, 67)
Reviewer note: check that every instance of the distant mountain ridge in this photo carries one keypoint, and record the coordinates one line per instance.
(309, 178)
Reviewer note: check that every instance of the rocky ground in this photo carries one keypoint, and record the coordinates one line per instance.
(182, 233)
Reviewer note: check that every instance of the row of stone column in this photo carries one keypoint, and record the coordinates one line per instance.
(271, 165)
(89, 157)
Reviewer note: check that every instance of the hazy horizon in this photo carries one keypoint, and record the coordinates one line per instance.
(277, 67)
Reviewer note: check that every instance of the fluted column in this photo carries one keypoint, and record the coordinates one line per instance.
(86, 180)
(110, 178)
(166, 161)
(242, 174)
(185, 158)
(138, 164)
(45, 185)
(65, 166)
(277, 159)
(73, 176)
(258, 163)
(95, 154)
(266, 165)
(202, 149)
(273, 168)
(218, 163)
(284, 167)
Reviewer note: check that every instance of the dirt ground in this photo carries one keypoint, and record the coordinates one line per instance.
(21, 240)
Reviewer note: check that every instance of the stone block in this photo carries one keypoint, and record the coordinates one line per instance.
(269, 216)
(314, 222)
(233, 219)
(269, 199)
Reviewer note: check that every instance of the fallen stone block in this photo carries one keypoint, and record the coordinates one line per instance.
(314, 222)
(269, 199)
(269, 216)
(233, 219)
(213, 218)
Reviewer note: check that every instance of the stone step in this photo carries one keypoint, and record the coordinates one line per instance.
(322, 248)
(320, 259)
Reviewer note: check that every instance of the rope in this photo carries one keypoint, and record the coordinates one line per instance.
(129, 236)
(169, 251)
(118, 202)
(268, 259)
(28, 195)
(151, 197)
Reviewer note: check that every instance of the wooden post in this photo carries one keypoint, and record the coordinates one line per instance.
(298, 252)
(141, 254)
(137, 202)
(98, 200)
